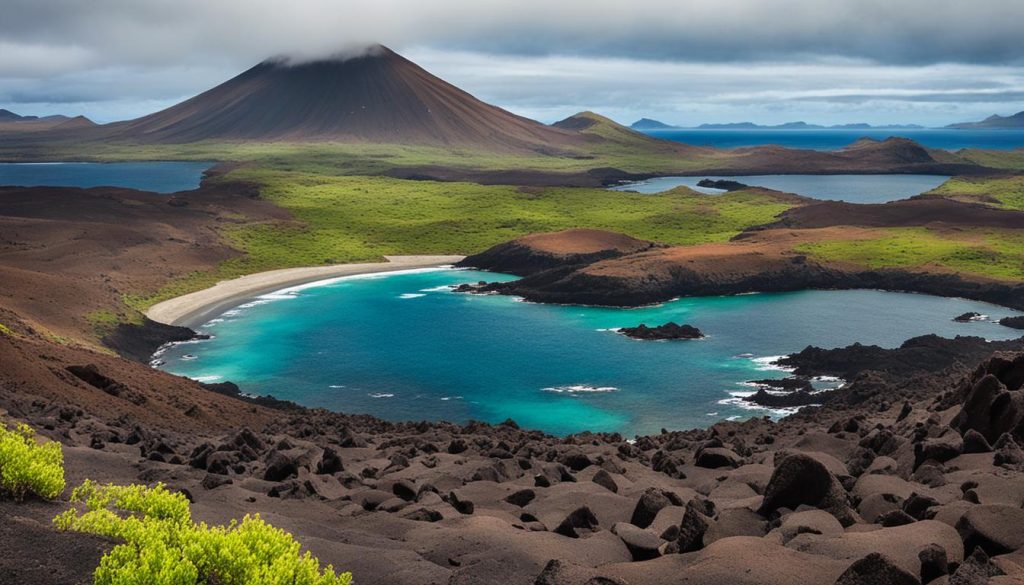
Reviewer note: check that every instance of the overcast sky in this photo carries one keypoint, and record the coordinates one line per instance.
(687, 62)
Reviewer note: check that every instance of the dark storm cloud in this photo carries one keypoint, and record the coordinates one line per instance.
(539, 57)
(885, 31)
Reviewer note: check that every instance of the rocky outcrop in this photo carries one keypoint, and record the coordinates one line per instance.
(139, 341)
(569, 268)
(668, 331)
(558, 250)
(723, 184)
(1013, 322)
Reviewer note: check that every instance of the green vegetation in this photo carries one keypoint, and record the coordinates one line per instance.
(5, 330)
(1004, 192)
(997, 254)
(996, 159)
(104, 321)
(348, 219)
(162, 546)
(28, 467)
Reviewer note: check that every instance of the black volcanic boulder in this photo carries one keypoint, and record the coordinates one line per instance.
(800, 479)
(330, 462)
(521, 498)
(651, 502)
(716, 457)
(996, 528)
(668, 331)
(580, 519)
(279, 467)
(605, 480)
(991, 409)
(876, 569)
(692, 528)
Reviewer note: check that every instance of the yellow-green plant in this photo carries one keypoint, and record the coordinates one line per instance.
(162, 546)
(27, 467)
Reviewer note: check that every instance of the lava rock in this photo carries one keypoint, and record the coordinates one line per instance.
(521, 498)
(876, 569)
(800, 479)
(580, 519)
(605, 480)
(668, 331)
(995, 528)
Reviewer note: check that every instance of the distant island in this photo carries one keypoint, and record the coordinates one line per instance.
(649, 124)
(993, 121)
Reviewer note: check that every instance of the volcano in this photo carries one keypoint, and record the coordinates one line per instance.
(377, 97)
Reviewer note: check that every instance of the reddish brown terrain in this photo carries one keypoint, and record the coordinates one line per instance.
(762, 259)
(66, 253)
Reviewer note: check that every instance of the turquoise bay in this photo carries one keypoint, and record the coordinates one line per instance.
(404, 347)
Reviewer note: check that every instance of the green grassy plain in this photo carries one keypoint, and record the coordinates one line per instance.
(1003, 192)
(358, 218)
(997, 254)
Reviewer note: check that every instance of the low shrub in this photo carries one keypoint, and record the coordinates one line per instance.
(27, 467)
(162, 546)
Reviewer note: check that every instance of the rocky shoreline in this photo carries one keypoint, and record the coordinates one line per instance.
(628, 274)
(906, 470)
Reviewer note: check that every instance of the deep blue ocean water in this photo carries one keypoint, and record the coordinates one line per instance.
(157, 176)
(404, 347)
(853, 188)
(829, 139)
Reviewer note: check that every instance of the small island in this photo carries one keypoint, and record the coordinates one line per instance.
(668, 331)
(724, 184)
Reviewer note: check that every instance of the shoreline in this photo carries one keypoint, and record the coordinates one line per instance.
(195, 308)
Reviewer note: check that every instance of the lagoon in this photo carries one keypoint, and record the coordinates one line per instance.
(156, 176)
(851, 188)
(405, 347)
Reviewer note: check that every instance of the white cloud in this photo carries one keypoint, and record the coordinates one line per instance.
(689, 61)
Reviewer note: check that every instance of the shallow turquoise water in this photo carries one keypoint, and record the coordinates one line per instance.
(157, 176)
(403, 347)
(852, 188)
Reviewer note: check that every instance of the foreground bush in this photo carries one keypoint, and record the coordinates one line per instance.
(162, 546)
(27, 467)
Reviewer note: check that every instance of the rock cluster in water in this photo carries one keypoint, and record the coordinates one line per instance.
(668, 331)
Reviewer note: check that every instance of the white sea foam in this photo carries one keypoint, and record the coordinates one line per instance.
(767, 364)
(381, 395)
(206, 379)
(580, 388)
(411, 295)
(442, 288)
(447, 398)
(336, 386)
(189, 357)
